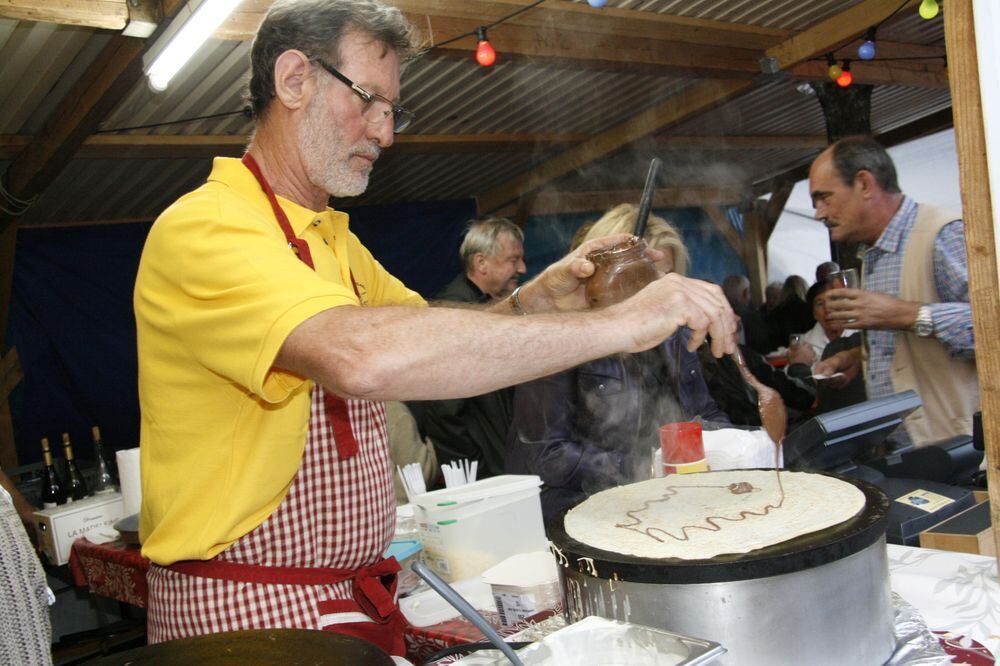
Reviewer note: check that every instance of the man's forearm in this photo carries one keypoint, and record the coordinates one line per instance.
(401, 353)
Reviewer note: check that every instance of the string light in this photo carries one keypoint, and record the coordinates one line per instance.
(486, 55)
(846, 78)
(833, 70)
(867, 50)
(597, 3)
(928, 9)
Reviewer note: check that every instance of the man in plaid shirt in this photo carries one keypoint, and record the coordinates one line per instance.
(914, 303)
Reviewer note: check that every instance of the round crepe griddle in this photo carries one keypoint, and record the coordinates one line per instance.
(802, 552)
(287, 647)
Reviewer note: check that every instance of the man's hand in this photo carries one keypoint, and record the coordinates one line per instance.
(562, 286)
(659, 309)
(848, 362)
(856, 308)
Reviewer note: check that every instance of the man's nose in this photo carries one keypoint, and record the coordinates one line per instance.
(521, 268)
(381, 132)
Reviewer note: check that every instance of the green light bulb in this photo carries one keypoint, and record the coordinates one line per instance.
(928, 9)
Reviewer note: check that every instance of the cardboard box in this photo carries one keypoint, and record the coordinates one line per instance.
(58, 528)
(966, 532)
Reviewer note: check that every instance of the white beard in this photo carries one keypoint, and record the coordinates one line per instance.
(326, 157)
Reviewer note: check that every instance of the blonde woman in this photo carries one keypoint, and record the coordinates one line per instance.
(659, 234)
(594, 426)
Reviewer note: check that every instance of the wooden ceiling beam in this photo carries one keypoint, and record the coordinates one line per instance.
(918, 74)
(696, 99)
(168, 146)
(606, 49)
(105, 14)
(550, 202)
(430, 17)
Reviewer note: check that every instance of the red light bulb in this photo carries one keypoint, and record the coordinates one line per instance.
(485, 54)
(845, 79)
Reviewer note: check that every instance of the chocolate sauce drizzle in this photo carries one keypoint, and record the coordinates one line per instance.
(713, 524)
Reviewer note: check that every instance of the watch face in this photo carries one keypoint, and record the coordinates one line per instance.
(923, 328)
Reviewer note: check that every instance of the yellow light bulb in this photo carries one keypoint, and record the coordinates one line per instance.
(928, 9)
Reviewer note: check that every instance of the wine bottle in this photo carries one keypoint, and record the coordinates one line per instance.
(76, 486)
(53, 490)
(105, 481)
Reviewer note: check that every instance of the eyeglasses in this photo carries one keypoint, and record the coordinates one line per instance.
(376, 107)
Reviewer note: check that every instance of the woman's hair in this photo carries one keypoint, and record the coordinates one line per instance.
(795, 285)
(660, 234)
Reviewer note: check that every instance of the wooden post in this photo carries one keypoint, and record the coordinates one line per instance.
(977, 208)
(755, 235)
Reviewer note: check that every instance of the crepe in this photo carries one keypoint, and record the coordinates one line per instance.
(699, 516)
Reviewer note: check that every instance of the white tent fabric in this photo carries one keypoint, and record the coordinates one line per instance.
(928, 172)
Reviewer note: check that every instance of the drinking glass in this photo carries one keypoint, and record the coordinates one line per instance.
(794, 340)
(847, 278)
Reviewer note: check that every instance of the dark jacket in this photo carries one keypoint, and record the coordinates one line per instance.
(594, 426)
(735, 397)
(829, 398)
(473, 428)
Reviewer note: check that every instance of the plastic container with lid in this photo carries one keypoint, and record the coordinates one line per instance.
(619, 272)
(523, 585)
(468, 529)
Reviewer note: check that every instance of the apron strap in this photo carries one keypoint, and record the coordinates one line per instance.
(336, 407)
(238, 572)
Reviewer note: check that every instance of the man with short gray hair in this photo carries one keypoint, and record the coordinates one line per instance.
(475, 428)
(492, 254)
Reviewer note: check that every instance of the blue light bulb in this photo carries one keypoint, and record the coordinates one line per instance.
(867, 50)
(597, 3)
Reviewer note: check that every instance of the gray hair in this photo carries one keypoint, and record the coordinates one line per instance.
(733, 287)
(483, 236)
(863, 153)
(316, 27)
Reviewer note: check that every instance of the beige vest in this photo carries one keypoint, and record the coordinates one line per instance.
(948, 386)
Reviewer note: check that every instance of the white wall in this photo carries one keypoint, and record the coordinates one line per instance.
(987, 18)
(928, 172)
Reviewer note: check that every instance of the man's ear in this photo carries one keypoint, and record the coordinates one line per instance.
(866, 181)
(293, 83)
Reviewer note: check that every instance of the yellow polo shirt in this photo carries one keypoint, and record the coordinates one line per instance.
(217, 293)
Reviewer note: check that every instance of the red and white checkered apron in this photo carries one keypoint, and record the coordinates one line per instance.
(338, 514)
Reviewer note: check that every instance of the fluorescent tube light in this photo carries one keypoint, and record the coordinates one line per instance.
(182, 45)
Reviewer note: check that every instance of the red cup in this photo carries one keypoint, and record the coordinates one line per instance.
(683, 450)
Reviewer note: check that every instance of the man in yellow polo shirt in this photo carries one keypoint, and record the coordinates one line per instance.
(268, 337)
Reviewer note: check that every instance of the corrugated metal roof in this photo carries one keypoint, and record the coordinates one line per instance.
(450, 96)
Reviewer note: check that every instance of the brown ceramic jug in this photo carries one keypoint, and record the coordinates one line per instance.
(620, 271)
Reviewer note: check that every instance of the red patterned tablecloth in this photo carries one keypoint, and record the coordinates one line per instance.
(116, 570)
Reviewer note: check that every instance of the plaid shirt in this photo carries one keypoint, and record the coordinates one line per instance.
(881, 267)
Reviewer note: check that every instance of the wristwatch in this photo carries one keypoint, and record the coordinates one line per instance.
(924, 325)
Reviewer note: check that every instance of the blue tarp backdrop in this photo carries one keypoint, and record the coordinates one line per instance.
(71, 308)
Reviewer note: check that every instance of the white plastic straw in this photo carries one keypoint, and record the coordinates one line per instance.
(459, 472)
